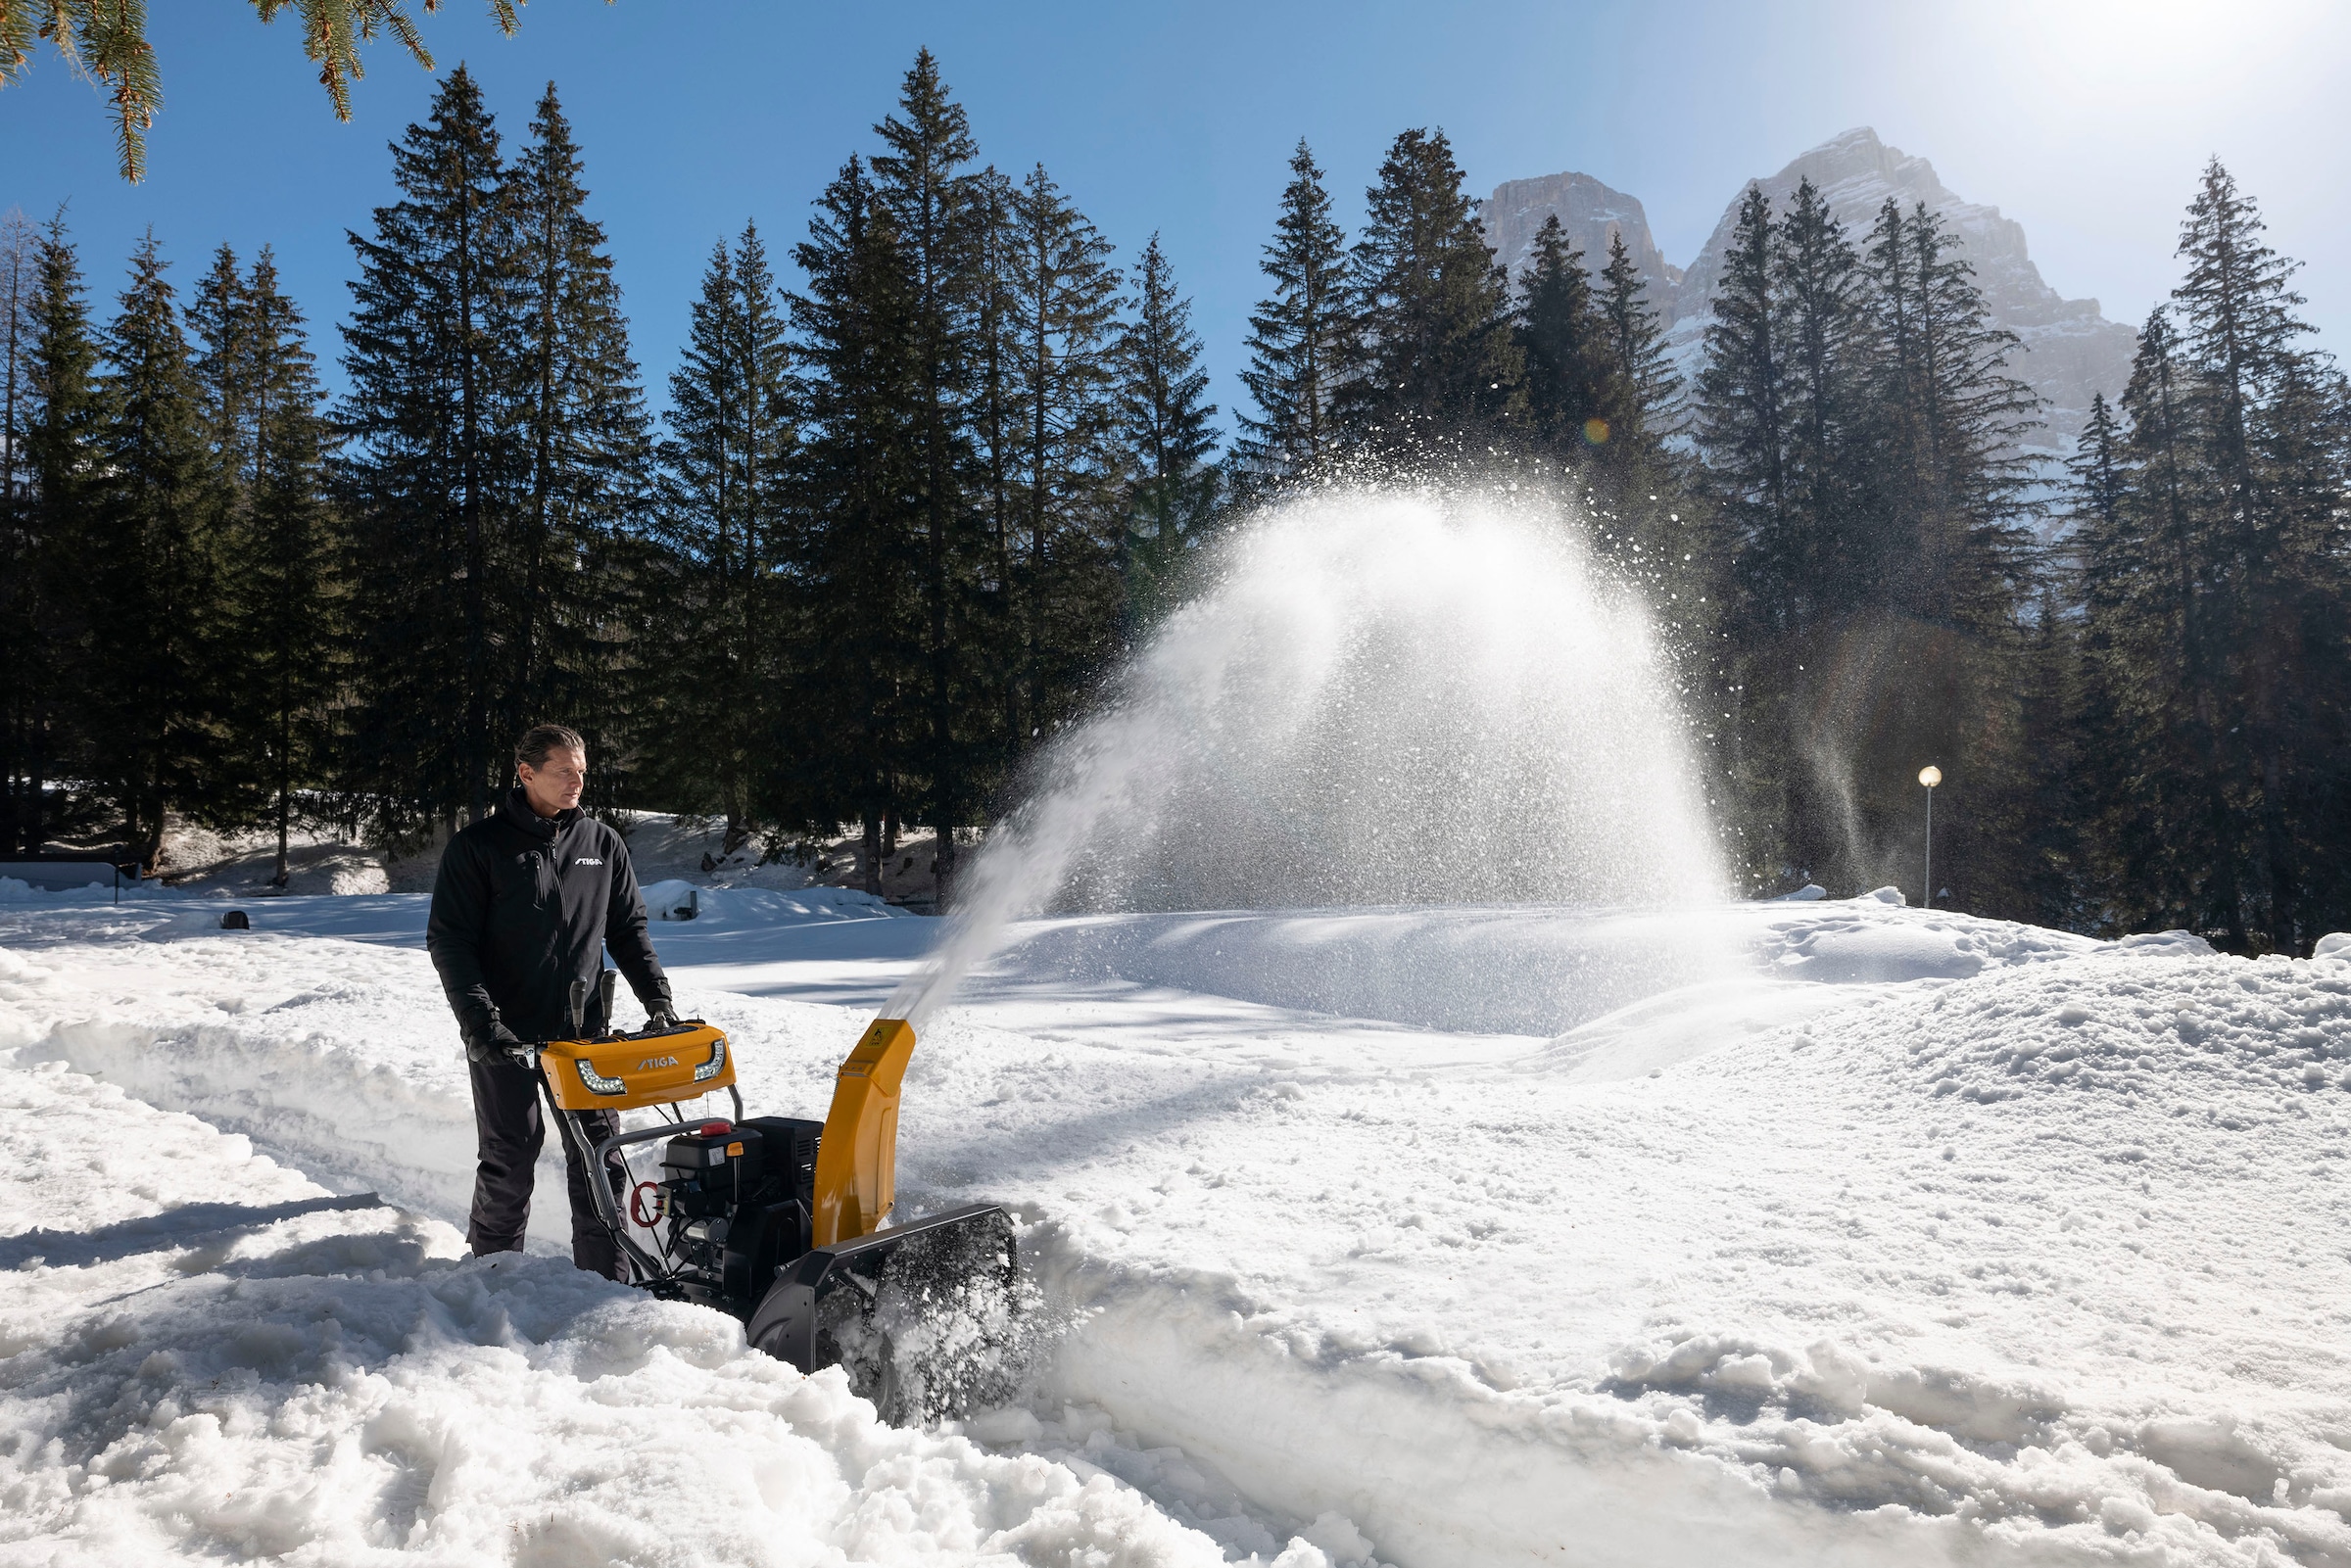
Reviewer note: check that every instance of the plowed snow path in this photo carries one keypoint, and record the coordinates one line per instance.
(1864, 1232)
(221, 1360)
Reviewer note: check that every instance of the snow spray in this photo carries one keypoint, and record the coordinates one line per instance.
(1379, 697)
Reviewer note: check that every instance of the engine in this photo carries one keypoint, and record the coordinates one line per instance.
(734, 1206)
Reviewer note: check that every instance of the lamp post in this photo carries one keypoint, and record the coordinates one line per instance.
(1930, 775)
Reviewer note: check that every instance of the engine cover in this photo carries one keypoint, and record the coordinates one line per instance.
(739, 1200)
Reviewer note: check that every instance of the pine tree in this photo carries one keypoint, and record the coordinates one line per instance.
(217, 320)
(1741, 426)
(1299, 339)
(2214, 591)
(1647, 401)
(1741, 423)
(2103, 574)
(864, 392)
(216, 317)
(433, 473)
(19, 253)
(2297, 664)
(1655, 517)
(1942, 569)
(2069, 725)
(727, 535)
(24, 630)
(64, 432)
(1065, 571)
(1438, 369)
(1828, 552)
(1738, 429)
(2237, 309)
(1568, 382)
(1167, 421)
(584, 451)
(999, 419)
(2093, 473)
(2156, 655)
(283, 592)
(2279, 573)
(153, 577)
(1951, 474)
(2049, 880)
(935, 210)
(692, 761)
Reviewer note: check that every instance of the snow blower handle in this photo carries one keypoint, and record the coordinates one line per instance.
(525, 1053)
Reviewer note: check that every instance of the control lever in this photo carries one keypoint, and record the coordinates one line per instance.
(579, 1006)
(604, 984)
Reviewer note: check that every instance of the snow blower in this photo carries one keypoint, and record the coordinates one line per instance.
(786, 1224)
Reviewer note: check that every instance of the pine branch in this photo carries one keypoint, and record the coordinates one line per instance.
(105, 42)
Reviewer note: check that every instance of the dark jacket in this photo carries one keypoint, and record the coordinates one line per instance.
(522, 904)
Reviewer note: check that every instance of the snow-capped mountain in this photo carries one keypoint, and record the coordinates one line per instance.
(2068, 349)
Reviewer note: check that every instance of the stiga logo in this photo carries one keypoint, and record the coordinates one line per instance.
(588, 860)
(652, 1061)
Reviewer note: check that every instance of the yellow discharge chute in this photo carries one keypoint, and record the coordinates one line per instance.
(856, 1163)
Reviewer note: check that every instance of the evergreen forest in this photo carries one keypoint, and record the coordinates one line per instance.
(926, 466)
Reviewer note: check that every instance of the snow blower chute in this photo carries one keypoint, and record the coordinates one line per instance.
(785, 1223)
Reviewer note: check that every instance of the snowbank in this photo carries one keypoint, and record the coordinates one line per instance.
(17, 890)
(678, 900)
(1520, 969)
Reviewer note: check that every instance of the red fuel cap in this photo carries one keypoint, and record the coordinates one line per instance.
(713, 1128)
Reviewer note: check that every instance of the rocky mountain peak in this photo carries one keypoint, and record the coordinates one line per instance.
(2067, 350)
(1590, 212)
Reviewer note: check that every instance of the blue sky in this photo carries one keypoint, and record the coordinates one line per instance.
(2085, 120)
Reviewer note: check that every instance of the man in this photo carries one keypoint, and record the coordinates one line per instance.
(527, 901)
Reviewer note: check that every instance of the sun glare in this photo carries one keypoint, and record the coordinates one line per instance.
(2103, 53)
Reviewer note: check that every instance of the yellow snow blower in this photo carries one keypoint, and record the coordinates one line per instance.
(788, 1223)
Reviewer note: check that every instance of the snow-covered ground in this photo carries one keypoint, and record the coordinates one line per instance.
(1815, 1232)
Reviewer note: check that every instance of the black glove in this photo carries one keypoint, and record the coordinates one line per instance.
(496, 1047)
(660, 1015)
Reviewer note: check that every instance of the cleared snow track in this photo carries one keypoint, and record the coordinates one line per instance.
(220, 1359)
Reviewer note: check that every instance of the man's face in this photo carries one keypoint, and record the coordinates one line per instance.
(556, 784)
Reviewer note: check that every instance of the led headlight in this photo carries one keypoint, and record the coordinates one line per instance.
(597, 1082)
(718, 1060)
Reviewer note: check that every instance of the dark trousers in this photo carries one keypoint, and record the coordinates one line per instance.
(508, 1131)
